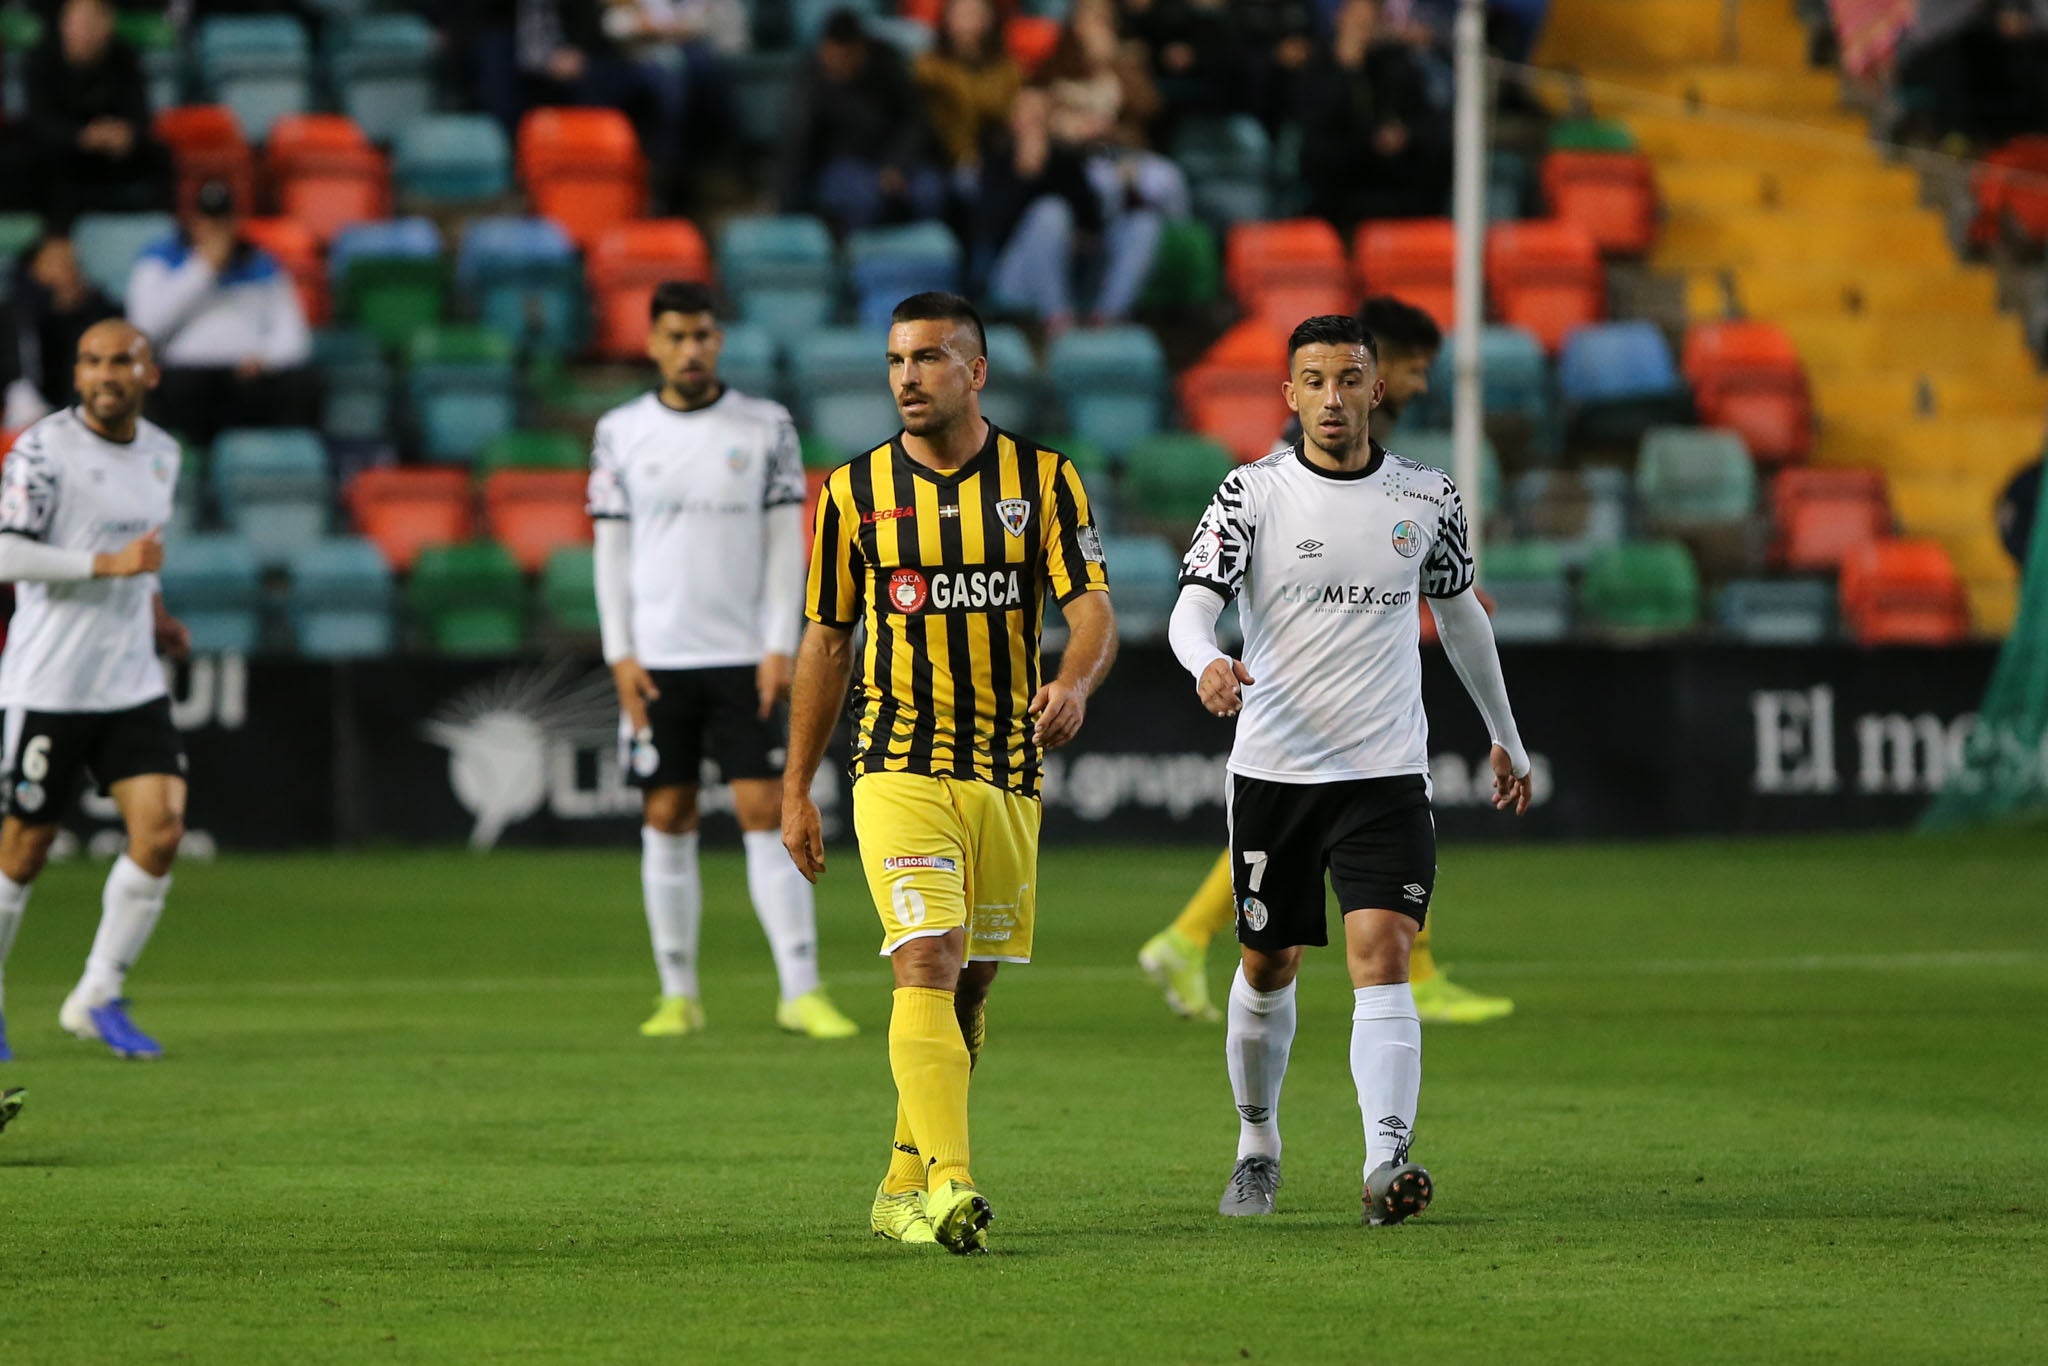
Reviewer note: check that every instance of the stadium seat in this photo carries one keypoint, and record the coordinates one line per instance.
(762, 83)
(389, 277)
(1591, 135)
(404, 510)
(1507, 188)
(626, 262)
(1903, 592)
(533, 451)
(1820, 515)
(1435, 450)
(1641, 588)
(327, 174)
(1778, 611)
(355, 385)
(885, 265)
(1089, 459)
(781, 272)
(568, 591)
(296, 249)
(533, 513)
(383, 71)
(750, 361)
(1289, 252)
(845, 360)
(1169, 479)
(1746, 376)
(1545, 277)
(1228, 160)
(1616, 381)
(1112, 383)
(470, 599)
(274, 487)
(807, 17)
(851, 421)
(1187, 268)
(1411, 259)
(257, 65)
(1577, 511)
(1146, 572)
(1612, 195)
(583, 168)
(521, 278)
(1532, 598)
(341, 599)
(206, 142)
(1687, 476)
(463, 388)
(2009, 195)
(1515, 392)
(109, 243)
(154, 36)
(452, 159)
(1239, 406)
(1014, 391)
(215, 586)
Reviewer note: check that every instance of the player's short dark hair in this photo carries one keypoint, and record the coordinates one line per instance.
(1330, 329)
(843, 26)
(937, 305)
(681, 296)
(1400, 328)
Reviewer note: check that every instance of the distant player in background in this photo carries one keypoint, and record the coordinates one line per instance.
(697, 491)
(1408, 342)
(1326, 545)
(84, 498)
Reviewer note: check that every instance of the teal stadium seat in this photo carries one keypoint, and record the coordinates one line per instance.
(342, 596)
(382, 69)
(109, 243)
(886, 265)
(355, 385)
(750, 361)
(1691, 476)
(1112, 382)
(844, 360)
(1531, 593)
(463, 390)
(1145, 577)
(852, 421)
(1577, 511)
(521, 277)
(1014, 391)
(1228, 161)
(1778, 611)
(452, 159)
(762, 82)
(274, 487)
(17, 230)
(1516, 388)
(257, 65)
(214, 584)
(781, 273)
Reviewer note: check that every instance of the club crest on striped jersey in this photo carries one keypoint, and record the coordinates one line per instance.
(1407, 539)
(1014, 513)
(908, 590)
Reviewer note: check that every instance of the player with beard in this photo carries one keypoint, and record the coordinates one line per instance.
(945, 542)
(1326, 544)
(1408, 342)
(84, 498)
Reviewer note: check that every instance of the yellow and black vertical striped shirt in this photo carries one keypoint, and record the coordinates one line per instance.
(950, 572)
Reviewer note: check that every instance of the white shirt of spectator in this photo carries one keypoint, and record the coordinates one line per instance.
(1330, 568)
(88, 645)
(695, 487)
(199, 318)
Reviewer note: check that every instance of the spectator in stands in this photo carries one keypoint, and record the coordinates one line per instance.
(51, 306)
(88, 118)
(1039, 222)
(1277, 41)
(1980, 67)
(1102, 105)
(969, 80)
(856, 145)
(675, 54)
(1193, 48)
(224, 318)
(1373, 146)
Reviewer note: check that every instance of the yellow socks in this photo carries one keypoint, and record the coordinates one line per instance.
(906, 1164)
(1421, 962)
(1211, 908)
(930, 1061)
(973, 1029)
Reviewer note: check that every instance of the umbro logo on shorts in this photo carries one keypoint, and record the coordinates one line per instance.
(1416, 891)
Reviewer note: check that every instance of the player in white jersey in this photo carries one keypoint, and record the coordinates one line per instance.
(1326, 544)
(698, 492)
(84, 497)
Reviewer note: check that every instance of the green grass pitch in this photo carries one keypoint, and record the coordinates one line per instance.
(1762, 1102)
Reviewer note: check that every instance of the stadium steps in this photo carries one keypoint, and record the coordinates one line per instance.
(1778, 207)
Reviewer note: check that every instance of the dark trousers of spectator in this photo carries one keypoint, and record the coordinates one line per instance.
(62, 187)
(849, 192)
(199, 403)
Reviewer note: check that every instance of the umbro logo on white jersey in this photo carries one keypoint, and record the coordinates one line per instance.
(1310, 550)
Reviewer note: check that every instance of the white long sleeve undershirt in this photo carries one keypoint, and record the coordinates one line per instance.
(23, 560)
(612, 556)
(782, 579)
(1467, 637)
(1191, 630)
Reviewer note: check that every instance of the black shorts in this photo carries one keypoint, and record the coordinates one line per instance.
(47, 751)
(700, 711)
(1374, 836)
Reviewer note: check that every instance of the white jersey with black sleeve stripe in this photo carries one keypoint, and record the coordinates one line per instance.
(1327, 569)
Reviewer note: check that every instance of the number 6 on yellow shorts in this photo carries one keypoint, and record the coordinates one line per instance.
(943, 853)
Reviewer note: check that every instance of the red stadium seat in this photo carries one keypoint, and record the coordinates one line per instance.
(206, 142)
(1903, 592)
(327, 174)
(1291, 251)
(534, 513)
(1746, 376)
(2010, 190)
(1251, 343)
(406, 510)
(626, 263)
(1820, 515)
(582, 168)
(1545, 277)
(1612, 195)
(1281, 306)
(1414, 260)
(1238, 406)
(298, 251)
(1030, 39)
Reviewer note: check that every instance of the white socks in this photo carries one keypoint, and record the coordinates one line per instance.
(13, 901)
(129, 908)
(1257, 1037)
(1386, 1066)
(783, 901)
(675, 904)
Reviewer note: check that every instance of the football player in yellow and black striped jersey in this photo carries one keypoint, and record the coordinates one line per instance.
(944, 543)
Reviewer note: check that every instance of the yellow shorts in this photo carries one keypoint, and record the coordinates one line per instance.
(942, 853)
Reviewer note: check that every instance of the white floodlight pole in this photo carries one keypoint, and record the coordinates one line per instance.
(1468, 210)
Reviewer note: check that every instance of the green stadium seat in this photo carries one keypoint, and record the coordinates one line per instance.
(1692, 476)
(820, 454)
(1187, 268)
(1641, 588)
(1170, 478)
(532, 451)
(214, 584)
(389, 278)
(1088, 458)
(470, 599)
(568, 591)
(1532, 597)
(341, 599)
(1591, 135)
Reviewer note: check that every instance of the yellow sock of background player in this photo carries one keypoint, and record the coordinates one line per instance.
(1174, 958)
(930, 1063)
(1421, 962)
(906, 1163)
(1211, 909)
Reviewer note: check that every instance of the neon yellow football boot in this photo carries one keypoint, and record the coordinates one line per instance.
(813, 1014)
(1176, 965)
(1439, 1000)
(960, 1217)
(900, 1217)
(673, 1017)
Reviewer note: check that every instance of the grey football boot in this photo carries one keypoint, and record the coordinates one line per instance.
(1252, 1183)
(1396, 1190)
